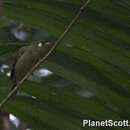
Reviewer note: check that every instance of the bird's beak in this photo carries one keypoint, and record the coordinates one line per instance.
(48, 43)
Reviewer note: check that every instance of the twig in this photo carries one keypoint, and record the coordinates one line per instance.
(49, 53)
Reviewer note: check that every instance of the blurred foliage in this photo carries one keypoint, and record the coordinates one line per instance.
(91, 66)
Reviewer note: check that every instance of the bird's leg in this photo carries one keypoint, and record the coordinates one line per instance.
(16, 84)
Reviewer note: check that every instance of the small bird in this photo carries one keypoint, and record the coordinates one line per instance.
(25, 60)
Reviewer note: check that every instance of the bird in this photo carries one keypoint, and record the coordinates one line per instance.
(25, 59)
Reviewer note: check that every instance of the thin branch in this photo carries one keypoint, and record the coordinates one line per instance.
(48, 54)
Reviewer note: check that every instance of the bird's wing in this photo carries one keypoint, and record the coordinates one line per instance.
(17, 56)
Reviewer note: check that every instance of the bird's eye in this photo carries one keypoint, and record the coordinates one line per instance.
(40, 44)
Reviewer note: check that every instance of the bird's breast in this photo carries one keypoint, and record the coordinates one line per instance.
(25, 63)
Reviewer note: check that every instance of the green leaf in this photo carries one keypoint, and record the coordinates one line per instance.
(93, 58)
